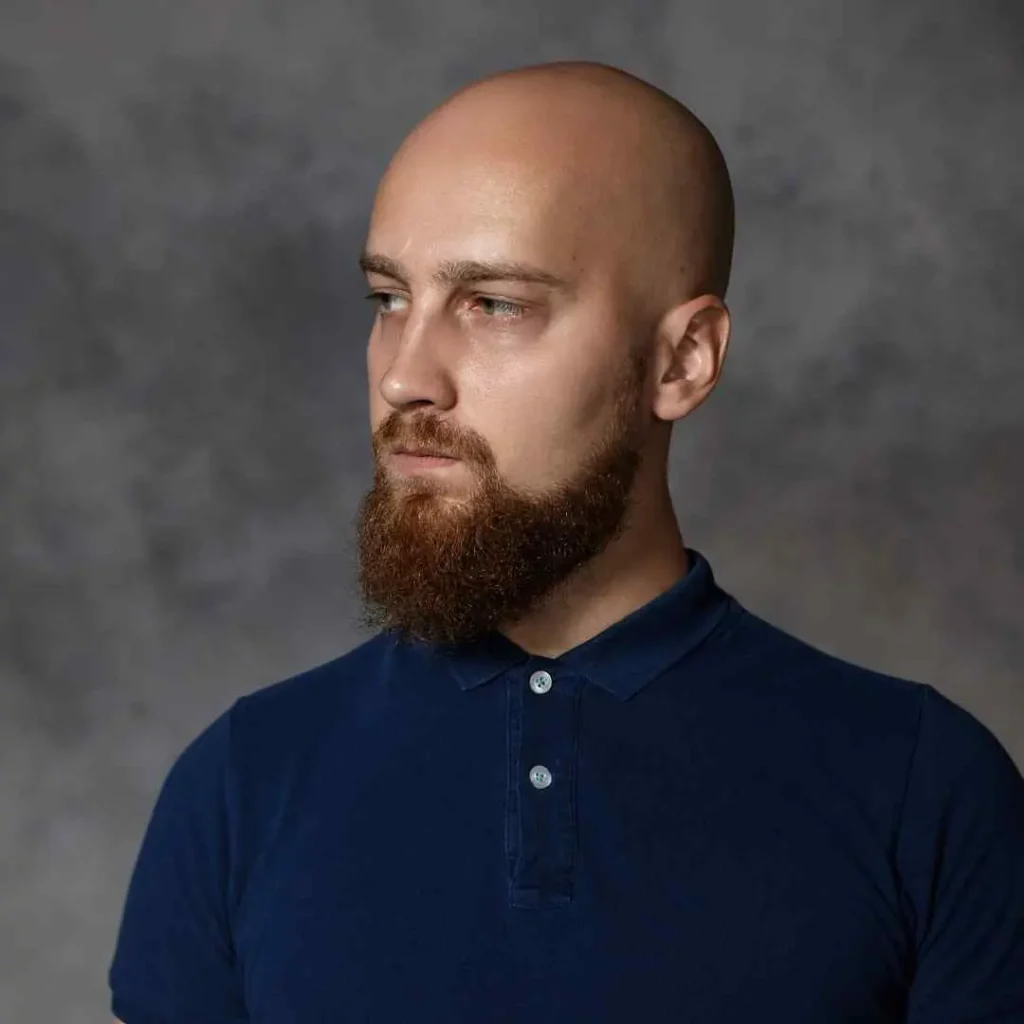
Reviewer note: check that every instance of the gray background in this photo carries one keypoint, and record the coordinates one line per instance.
(183, 191)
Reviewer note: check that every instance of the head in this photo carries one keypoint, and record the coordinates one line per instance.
(549, 252)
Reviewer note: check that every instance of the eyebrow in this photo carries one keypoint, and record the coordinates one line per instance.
(464, 271)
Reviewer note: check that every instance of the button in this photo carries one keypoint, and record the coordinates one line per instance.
(540, 776)
(540, 682)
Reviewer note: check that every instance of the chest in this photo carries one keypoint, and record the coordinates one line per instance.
(553, 870)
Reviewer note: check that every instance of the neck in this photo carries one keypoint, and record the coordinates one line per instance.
(648, 558)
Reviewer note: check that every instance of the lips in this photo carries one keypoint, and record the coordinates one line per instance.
(424, 452)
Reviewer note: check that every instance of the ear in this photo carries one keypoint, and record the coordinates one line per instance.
(692, 339)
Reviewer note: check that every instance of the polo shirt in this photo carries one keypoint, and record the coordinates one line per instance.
(693, 816)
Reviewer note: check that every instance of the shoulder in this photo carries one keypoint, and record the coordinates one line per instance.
(778, 667)
(840, 699)
(313, 685)
(914, 751)
(284, 717)
(316, 700)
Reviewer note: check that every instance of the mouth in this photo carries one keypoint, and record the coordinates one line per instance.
(417, 460)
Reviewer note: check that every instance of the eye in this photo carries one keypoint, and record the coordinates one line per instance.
(381, 299)
(497, 309)
(500, 309)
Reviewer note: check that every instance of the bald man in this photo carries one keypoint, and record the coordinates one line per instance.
(569, 778)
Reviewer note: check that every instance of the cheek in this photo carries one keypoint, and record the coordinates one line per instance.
(538, 435)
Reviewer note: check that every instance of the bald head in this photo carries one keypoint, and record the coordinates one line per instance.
(622, 172)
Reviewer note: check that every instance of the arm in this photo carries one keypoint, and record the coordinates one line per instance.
(174, 958)
(960, 856)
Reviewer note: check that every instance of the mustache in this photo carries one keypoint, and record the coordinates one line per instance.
(429, 437)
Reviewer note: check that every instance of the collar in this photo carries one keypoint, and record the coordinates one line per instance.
(624, 657)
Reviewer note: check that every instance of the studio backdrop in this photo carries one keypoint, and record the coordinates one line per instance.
(184, 438)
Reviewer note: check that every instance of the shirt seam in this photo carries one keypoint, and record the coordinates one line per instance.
(911, 760)
(903, 894)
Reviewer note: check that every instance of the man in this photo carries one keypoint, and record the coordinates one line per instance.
(569, 779)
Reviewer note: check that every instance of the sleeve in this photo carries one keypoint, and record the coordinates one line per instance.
(173, 961)
(960, 856)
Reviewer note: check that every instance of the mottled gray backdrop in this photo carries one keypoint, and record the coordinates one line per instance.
(183, 427)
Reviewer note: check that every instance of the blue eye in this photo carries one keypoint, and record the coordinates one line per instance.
(380, 298)
(502, 308)
(497, 309)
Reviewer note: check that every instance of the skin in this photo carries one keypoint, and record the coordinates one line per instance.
(558, 399)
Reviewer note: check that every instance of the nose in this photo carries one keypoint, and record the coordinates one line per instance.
(413, 371)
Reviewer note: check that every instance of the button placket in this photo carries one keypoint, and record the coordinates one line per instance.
(541, 822)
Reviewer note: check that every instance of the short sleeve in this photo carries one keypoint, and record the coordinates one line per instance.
(960, 857)
(173, 960)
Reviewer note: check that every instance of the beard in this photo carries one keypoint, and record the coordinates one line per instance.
(446, 566)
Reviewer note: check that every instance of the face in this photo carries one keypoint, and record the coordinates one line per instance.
(533, 384)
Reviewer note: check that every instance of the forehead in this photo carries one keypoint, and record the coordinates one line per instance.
(484, 203)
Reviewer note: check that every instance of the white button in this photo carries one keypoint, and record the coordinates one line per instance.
(540, 682)
(540, 776)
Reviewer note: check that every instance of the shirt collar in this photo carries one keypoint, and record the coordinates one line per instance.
(624, 657)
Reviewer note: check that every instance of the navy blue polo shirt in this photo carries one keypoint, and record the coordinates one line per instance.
(693, 816)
